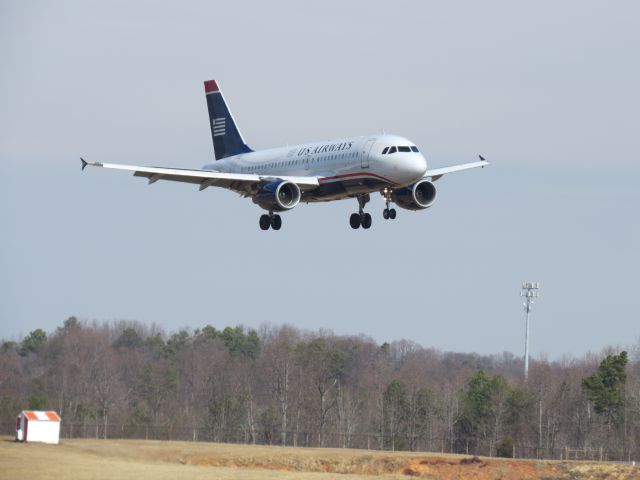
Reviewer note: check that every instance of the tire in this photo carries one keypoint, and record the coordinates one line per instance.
(392, 214)
(385, 214)
(354, 221)
(366, 221)
(265, 222)
(276, 222)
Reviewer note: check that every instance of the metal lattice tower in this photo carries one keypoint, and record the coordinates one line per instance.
(529, 292)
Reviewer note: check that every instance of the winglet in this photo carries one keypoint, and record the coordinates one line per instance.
(84, 163)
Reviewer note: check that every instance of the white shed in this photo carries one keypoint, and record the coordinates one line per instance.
(38, 426)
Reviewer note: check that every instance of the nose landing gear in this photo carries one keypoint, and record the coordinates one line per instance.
(271, 220)
(361, 219)
(388, 213)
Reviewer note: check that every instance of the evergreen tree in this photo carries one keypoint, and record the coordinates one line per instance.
(396, 413)
(129, 338)
(32, 342)
(605, 388)
(484, 411)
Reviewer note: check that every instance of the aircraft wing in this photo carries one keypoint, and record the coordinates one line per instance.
(240, 182)
(436, 173)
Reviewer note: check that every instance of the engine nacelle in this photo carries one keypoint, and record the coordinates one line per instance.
(278, 195)
(418, 196)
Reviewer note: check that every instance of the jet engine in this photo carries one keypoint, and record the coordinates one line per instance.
(277, 195)
(418, 196)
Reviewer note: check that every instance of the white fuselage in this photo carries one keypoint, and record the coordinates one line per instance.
(344, 167)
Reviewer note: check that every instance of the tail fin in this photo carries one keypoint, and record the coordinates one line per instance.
(227, 140)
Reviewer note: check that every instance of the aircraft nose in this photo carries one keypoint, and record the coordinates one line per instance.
(418, 165)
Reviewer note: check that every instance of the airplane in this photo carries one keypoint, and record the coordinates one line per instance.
(278, 179)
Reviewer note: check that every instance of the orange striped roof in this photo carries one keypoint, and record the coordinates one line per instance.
(49, 415)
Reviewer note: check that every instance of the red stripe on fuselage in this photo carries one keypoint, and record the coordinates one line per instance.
(358, 174)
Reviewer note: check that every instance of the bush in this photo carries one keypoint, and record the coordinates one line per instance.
(505, 448)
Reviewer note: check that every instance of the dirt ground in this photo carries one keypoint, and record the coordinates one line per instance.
(134, 459)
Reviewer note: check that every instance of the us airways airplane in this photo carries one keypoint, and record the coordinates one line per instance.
(278, 179)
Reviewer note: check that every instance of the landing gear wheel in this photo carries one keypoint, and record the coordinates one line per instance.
(361, 219)
(265, 222)
(388, 213)
(276, 222)
(366, 221)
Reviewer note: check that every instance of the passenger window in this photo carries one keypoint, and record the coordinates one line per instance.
(414, 149)
(385, 150)
(404, 149)
(392, 150)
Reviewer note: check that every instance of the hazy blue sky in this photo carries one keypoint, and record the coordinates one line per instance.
(547, 91)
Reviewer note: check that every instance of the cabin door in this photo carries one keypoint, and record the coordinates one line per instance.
(366, 151)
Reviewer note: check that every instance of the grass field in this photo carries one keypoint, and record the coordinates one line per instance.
(140, 459)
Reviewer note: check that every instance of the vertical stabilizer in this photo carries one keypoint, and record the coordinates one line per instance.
(227, 140)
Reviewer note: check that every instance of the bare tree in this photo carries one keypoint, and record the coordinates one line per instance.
(278, 358)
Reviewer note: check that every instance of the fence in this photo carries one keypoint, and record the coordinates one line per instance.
(596, 454)
(365, 441)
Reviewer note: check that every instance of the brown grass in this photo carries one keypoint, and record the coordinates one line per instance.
(135, 459)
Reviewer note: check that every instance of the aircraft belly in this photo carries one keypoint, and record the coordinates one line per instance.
(335, 190)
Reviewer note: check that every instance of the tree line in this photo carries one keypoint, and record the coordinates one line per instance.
(284, 386)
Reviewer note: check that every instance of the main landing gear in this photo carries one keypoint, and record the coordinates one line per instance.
(361, 219)
(388, 213)
(271, 220)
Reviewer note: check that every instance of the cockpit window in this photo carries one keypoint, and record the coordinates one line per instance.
(414, 148)
(385, 150)
(404, 149)
(392, 150)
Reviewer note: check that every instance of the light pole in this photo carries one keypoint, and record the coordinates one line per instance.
(529, 292)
